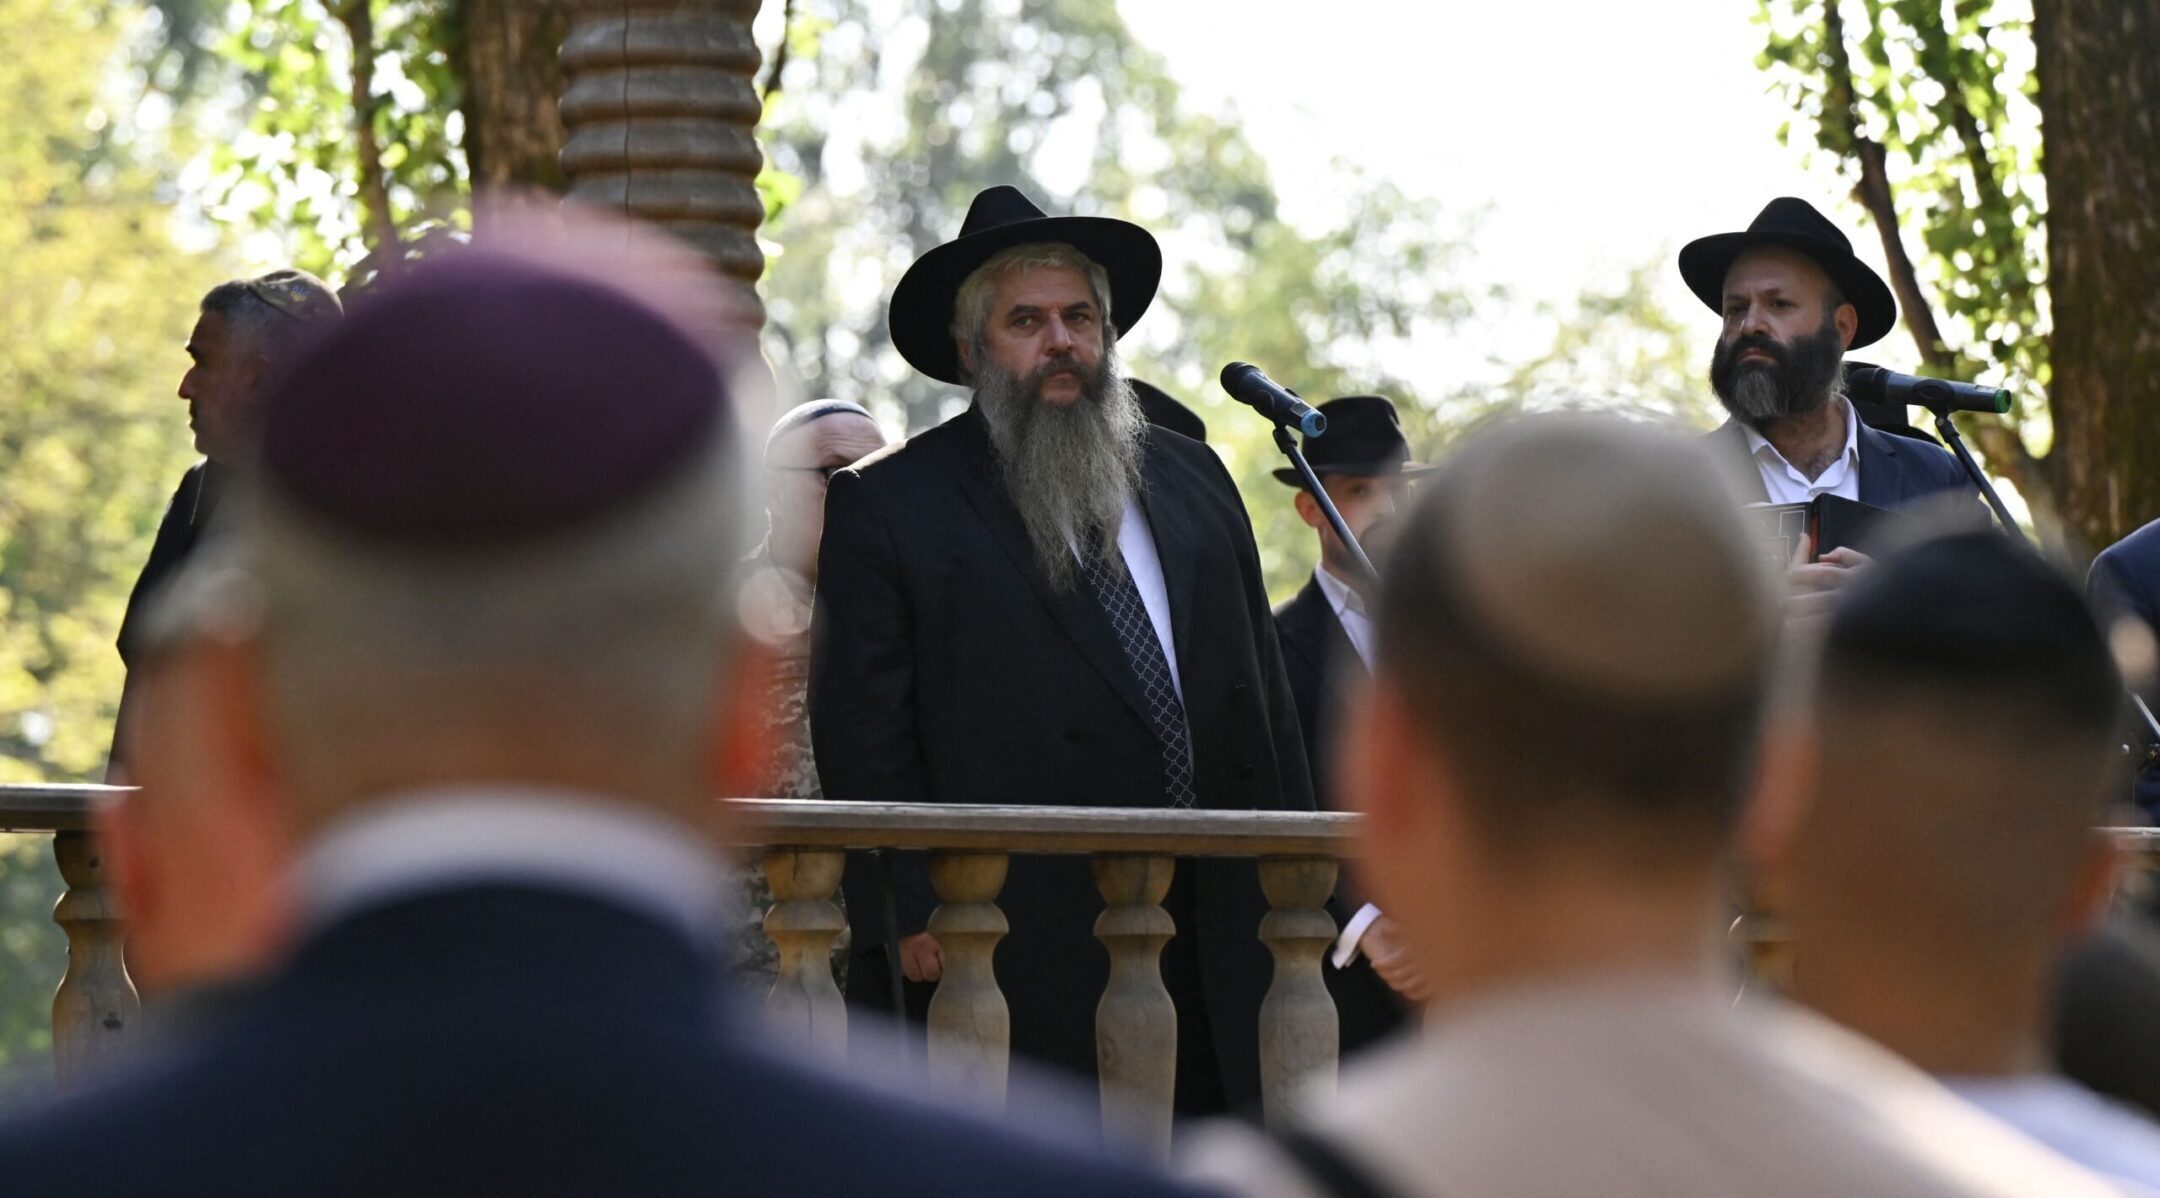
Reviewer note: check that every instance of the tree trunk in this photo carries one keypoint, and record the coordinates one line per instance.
(2100, 111)
(513, 88)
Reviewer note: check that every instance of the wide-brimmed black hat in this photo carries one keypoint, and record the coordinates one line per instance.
(1795, 225)
(1000, 218)
(1166, 411)
(1363, 437)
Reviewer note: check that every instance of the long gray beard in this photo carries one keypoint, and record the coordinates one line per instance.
(1068, 469)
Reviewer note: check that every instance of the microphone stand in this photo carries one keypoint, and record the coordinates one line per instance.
(1972, 469)
(1288, 444)
(1979, 479)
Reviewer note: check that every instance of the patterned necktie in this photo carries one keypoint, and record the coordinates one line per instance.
(1121, 602)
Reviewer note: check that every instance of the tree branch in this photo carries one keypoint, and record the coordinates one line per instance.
(358, 18)
(780, 56)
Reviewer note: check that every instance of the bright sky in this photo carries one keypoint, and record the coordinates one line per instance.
(1594, 134)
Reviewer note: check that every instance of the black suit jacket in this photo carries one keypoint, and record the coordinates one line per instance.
(498, 1040)
(1895, 472)
(945, 669)
(186, 519)
(1319, 657)
(2125, 581)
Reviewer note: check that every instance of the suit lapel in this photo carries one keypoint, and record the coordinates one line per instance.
(1882, 475)
(1176, 541)
(1075, 611)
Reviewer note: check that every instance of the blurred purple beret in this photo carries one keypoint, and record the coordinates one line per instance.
(484, 397)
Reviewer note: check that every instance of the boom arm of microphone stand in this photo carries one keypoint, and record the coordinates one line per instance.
(1972, 469)
(1288, 444)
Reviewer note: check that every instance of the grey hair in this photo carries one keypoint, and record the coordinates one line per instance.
(613, 632)
(971, 307)
(263, 325)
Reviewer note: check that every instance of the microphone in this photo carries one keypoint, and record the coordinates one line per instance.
(1247, 385)
(1869, 383)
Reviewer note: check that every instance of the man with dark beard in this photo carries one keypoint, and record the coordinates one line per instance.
(1794, 299)
(1046, 600)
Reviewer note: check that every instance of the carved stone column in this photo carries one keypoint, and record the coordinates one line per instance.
(661, 112)
(1136, 1023)
(96, 1005)
(970, 1025)
(803, 922)
(1300, 1032)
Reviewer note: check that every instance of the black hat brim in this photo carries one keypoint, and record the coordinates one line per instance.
(921, 316)
(1705, 261)
(1289, 475)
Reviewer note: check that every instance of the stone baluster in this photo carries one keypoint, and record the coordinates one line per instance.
(1136, 1023)
(96, 1005)
(970, 1025)
(661, 111)
(1299, 1031)
(803, 922)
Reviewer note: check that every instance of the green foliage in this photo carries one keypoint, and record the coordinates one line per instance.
(1947, 89)
(32, 954)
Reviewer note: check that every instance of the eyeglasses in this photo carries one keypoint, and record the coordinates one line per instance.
(293, 294)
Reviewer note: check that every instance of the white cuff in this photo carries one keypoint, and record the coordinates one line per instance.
(1354, 931)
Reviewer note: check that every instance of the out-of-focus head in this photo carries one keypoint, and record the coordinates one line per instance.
(245, 331)
(1966, 734)
(496, 531)
(1574, 628)
(199, 854)
(807, 444)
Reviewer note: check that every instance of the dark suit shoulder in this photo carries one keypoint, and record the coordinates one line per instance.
(1933, 465)
(928, 455)
(2125, 577)
(1302, 618)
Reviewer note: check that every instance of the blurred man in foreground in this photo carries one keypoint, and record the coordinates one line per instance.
(245, 331)
(1966, 741)
(484, 621)
(200, 855)
(1574, 628)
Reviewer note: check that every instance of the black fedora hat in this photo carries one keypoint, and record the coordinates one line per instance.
(1165, 410)
(1795, 225)
(1363, 437)
(921, 315)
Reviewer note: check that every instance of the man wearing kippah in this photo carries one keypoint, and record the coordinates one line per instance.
(1575, 628)
(480, 624)
(1046, 600)
(246, 328)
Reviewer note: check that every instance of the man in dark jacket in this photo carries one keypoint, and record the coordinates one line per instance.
(1363, 463)
(245, 329)
(1045, 600)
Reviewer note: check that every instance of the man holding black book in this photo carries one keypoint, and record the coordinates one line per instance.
(1794, 298)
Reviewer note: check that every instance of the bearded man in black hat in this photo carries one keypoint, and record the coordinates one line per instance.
(1364, 465)
(1046, 600)
(1794, 298)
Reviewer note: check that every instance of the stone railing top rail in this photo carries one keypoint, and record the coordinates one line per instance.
(813, 823)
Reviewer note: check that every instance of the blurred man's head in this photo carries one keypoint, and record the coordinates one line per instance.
(807, 444)
(246, 329)
(1965, 740)
(1574, 626)
(495, 538)
(199, 854)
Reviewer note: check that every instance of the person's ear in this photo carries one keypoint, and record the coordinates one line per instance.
(1776, 806)
(743, 736)
(2092, 888)
(1307, 509)
(1847, 319)
(967, 357)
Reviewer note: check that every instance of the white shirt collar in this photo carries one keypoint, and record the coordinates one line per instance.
(1349, 612)
(1787, 484)
(436, 838)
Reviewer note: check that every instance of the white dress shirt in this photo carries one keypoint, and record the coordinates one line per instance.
(1349, 612)
(2100, 1134)
(411, 843)
(1784, 484)
(1137, 543)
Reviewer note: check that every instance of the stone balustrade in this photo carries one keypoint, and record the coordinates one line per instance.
(804, 843)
